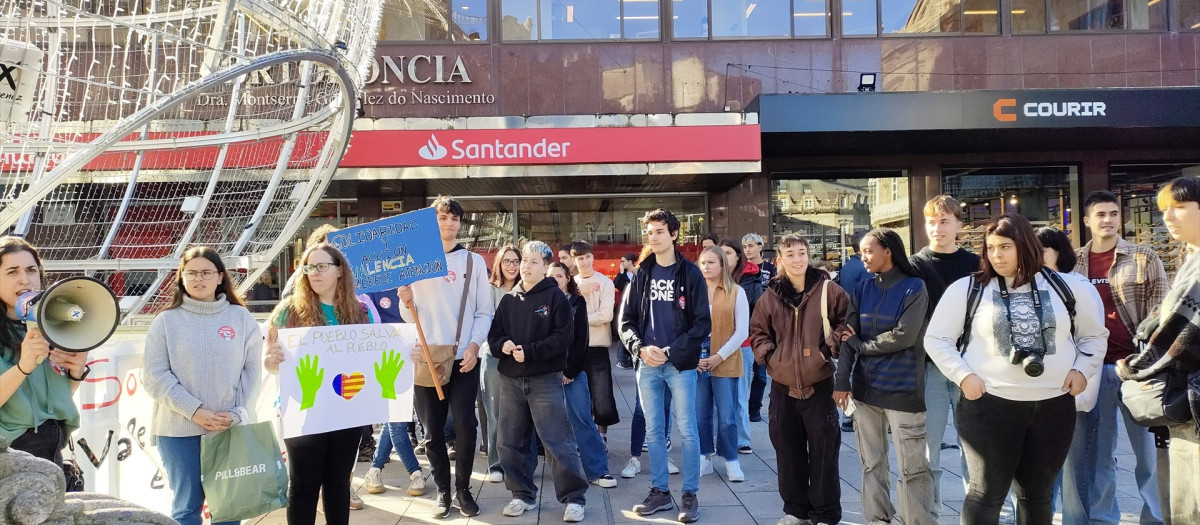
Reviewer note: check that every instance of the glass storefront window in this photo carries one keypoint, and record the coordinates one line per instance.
(750, 18)
(690, 18)
(1099, 15)
(1028, 16)
(810, 18)
(1043, 194)
(640, 19)
(859, 17)
(1189, 15)
(579, 20)
(828, 209)
(519, 20)
(434, 20)
(1141, 221)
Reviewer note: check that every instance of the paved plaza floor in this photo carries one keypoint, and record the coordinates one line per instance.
(755, 501)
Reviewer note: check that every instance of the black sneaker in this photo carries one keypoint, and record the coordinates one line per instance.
(441, 507)
(657, 500)
(745, 450)
(466, 503)
(689, 509)
(848, 425)
(755, 417)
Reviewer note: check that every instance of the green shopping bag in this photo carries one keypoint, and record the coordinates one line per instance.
(243, 473)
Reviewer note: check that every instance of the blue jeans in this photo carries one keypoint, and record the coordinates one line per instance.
(489, 389)
(538, 403)
(1089, 477)
(579, 410)
(637, 429)
(181, 459)
(653, 383)
(721, 392)
(742, 406)
(396, 435)
(941, 397)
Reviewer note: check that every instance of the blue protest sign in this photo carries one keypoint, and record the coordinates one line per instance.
(392, 252)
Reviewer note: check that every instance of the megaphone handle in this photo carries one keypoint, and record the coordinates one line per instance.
(34, 326)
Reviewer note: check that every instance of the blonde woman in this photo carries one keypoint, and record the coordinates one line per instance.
(721, 366)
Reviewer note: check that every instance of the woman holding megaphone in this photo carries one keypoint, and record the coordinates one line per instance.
(37, 413)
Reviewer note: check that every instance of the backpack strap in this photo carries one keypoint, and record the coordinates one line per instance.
(825, 326)
(973, 297)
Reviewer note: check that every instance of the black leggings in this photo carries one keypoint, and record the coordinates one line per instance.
(600, 386)
(1006, 441)
(321, 463)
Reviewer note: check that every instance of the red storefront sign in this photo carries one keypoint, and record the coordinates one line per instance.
(370, 149)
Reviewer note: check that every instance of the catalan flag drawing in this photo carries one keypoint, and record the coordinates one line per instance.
(348, 385)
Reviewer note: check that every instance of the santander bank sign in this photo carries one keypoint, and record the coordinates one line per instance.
(396, 148)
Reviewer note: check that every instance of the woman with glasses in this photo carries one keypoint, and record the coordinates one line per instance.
(202, 361)
(317, 463)
(506, 271)
(1007, 338)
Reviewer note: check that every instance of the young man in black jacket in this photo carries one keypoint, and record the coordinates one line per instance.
(664, 319)
(530, 336)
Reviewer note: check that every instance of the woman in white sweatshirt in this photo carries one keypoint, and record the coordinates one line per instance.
(203, 359)
(1016, 422)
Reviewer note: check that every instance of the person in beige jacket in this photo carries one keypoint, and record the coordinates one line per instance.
(598, 291)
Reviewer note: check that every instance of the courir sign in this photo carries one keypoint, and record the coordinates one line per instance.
(1001, 109)
(495, 147)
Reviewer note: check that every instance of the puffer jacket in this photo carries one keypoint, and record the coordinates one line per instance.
(786, 331)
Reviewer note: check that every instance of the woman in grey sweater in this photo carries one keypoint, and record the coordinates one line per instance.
(203, 359)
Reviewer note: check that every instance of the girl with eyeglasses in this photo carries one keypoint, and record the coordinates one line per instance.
(37, 413)
(319, 463)
(202, 361)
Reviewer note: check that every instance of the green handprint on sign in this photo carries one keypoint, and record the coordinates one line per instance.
(310, 375)
(386, 372)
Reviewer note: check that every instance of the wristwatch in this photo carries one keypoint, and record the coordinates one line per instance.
(86, 370)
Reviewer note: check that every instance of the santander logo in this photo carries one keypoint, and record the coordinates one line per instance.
(432, 150)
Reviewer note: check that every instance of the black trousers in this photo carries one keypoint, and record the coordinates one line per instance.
(600, 385)
(321, 463)
(1018, 444)
(46, 441)
(806, 438)
(461, 392)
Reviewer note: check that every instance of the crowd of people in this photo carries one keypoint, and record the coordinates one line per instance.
(1025, 344)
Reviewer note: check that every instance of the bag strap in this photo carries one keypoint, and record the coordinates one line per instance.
(973, 297)
(1064, 292)
(825, 326)
(462, 305)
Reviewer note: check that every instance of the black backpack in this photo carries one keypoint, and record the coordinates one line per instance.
(976, 294)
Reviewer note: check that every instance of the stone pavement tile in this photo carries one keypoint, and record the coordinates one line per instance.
(762, 504)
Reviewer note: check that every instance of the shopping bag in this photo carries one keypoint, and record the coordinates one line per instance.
(242, 472)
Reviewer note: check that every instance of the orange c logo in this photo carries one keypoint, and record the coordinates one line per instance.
(998, 110)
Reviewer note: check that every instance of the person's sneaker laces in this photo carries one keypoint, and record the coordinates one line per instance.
(606, 481)
(632, 468)
(517, 507)
(574, 513)
(441, 507)
(706, 467)
(495, 476)
(466, 503)
(733, 469)
(657, 500)
(671, 468)
(689, 508)
(416, 484)
(373, 482)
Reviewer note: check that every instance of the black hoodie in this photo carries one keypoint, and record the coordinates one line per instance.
(577, 355)
(540, 322)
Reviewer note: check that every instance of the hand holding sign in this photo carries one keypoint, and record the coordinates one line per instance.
(310, 375)
(386, 371)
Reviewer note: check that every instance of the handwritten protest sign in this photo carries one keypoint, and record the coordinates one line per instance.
(336, 377)
(392, 252)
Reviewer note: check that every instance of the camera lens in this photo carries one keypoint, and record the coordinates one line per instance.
(1033, 365)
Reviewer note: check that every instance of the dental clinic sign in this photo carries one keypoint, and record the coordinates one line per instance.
(553, 146)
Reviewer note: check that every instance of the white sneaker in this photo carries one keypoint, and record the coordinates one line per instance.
(574, 513)
(632, 468)
(605, 482)
(416, 484)
(671, 468)
(733, 469)
(495, 476)
(374, 481)
(356, 503)
(706, 467)
(516, 507)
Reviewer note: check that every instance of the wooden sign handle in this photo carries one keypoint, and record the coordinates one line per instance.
(437, 384)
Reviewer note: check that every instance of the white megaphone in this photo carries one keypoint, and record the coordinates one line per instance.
(75, 314)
